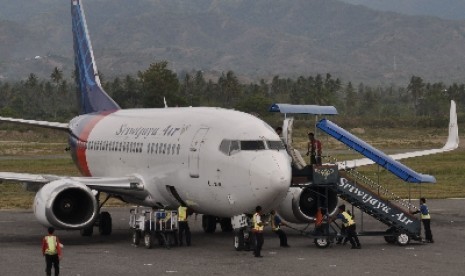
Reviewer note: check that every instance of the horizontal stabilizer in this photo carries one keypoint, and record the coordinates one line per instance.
(400, 170)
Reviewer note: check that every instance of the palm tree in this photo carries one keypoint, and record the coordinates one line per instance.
(56, 76)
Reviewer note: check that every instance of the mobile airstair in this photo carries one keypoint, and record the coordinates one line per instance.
(350, 185)
(358, 190)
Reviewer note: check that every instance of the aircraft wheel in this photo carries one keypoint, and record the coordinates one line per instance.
(87, 232)
(105, 224)
(321, 242)
(208, 223)
(148, 240)
(226, 225)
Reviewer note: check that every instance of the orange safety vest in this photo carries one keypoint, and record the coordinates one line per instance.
(318, 218)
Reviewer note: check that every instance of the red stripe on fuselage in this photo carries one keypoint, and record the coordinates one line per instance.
(83, 136)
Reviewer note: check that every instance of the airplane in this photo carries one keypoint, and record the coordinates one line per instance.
(161, 158)
(219, 162)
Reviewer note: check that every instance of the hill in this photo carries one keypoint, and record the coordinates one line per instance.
(254, 38)
(446, 9)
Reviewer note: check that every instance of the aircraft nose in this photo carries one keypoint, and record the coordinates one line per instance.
(270, 178)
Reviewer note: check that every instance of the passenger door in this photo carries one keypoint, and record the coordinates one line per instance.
(194, 152)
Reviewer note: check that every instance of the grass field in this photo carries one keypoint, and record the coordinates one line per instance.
(44, 152)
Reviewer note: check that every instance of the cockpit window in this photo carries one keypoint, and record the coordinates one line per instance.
(224, 146)
(230, 147)
(252, 145)
(234, 147)
(276, 145)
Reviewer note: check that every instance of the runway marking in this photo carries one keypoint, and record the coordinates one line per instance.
(7, 221)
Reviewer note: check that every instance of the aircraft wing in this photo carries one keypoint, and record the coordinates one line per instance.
(104, 184)
(451, 144)
(46, 124)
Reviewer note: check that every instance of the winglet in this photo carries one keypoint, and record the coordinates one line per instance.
(453, 138)
(92, 97)
(451, 144)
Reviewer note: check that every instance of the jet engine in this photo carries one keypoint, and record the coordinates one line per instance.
(65, 204)
(301, 203)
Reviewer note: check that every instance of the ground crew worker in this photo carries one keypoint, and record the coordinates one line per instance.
(426, 219)
(343, 232)
(257, 230)
(349, 225)
(314, 149)
(276, 224)
(51, 249)
(183, 225)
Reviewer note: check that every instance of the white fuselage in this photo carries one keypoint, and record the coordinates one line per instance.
(184, 154)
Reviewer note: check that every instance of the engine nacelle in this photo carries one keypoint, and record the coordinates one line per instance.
(65, 204)
(301, 203)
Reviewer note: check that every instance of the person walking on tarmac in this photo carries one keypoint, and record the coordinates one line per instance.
(51, 249)
(183, 225)
(276, 224)
(426, 219)
(349, 225)
(257, 230)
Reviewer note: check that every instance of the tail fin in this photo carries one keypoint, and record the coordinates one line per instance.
(92, 97)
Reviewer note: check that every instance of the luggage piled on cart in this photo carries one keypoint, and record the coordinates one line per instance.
(154, 225)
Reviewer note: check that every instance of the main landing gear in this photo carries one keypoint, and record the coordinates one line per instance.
(209, 224)
(103, 221)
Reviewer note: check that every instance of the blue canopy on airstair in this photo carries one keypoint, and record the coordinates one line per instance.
(379, 157)
(303, 109)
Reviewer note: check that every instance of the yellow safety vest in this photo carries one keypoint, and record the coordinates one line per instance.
(182, 213)
(349, 219)
(256, 218)
(51, 245)
(427, 216)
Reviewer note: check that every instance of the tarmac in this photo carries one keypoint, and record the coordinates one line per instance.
(214, 254)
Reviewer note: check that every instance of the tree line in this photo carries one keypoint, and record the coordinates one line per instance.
(420, 103)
